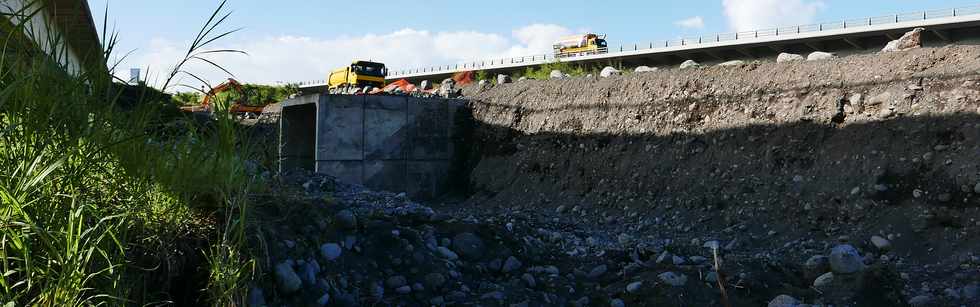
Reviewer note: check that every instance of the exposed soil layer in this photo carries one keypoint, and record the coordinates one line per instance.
(786, 159)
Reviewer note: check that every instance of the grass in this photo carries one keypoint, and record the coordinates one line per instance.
(543, 72)
(96, 193)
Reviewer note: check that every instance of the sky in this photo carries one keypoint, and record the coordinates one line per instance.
(296, 41)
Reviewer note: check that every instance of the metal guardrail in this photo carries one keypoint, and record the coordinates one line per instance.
(725, 37)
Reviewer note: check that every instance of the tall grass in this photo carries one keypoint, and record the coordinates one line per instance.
(86, 182)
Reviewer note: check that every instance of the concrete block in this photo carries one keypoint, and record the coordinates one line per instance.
(386, 175)
(340, 128)
(427, 179)
(346, 171)
(385, 128)
(429, 129)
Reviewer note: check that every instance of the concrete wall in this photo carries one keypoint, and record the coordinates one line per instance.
(392, 143)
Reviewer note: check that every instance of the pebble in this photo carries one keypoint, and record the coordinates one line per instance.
(920, 301)
(971, 291)
(404, 290)
(673, 279)
(598, 271)
(287, 279)
(345, 219)
(678, 260)
(469, 245)
(434, 280)
(824, 280)
(446, 253)
(529, 280)
(881, 243)
(512, 264)
(617, 303)
(323, 300)
(976, 188)
(634, 287)
(330, 251)
(818, 263)
(845, 259)
(784, 300)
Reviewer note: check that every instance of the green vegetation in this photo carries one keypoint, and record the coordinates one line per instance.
(543, 72)
(106, 201)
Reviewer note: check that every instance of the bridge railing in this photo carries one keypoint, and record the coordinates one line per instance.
(716, 38)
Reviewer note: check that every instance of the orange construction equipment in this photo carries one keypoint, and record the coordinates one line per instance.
(404, 85)
(236, 107)
(464, 78)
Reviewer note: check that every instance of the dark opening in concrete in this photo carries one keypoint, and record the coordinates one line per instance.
(297, 137)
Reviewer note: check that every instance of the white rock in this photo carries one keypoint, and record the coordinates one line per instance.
(645, 69)
(732, 63)
(911, 40)
(789, 57)
(503, 79)
(425, 86)
(784, 300)
(557, 74)
(819, 56)
(689, 64)
(673, 279)
(330, 251)
(609, 71)
(881, 243)
(634, 287)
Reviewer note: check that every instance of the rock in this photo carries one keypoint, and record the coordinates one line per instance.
(345, 219)
(521, 79)
(597, 271)
(881, 243)
(483, 83)
(286, 278)
(976, 188)
(689, 64)
(495, 295)
(434, 280)
(323, 300)
(396, 281)
(945, 197)
(673, 279)
(556, 74)
(820, 56)
(971, 291)
(616, 303)
(845, 259)
(609, 72)
(403, 290)
(911, 40)
(824, 280)
(308, 272)
(789, 57)
(712, 245)
(678, 260)
(645, 69)
(711, 277)
(330, 251)
(697, 259)
(817, 263)
(634, 287)
(529, 280)
(921, 301)
(503, 79)
(732, 63)
(446, 253)
(469, 245)
(512, 264)
(425, 85)
(784, 300)
(448, 88)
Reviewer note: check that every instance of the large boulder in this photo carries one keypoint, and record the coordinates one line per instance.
(689, 64)
(556, 74)
(789, 57)
(448, 88)
(609, 71)
(645, 69)
(503, 79)
(819, 56)
(911, 40)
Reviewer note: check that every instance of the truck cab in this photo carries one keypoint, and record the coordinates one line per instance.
(358, 74)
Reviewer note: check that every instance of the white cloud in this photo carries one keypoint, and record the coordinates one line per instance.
(745, 15)
(695, 22)
(299, 58)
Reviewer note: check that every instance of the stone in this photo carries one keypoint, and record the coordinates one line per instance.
(971, 291)
(634, 287)
(845, 259)
(425, 85)
(673, 279)
(945, 197)
(286, 278)
(323, 300)
(689, 64)
(503, 79)
(434, 280)
(521, 79)
(824, 280)
(678, 260)
(881, 243)
(556, 74)
(911, 40)
(609, 71)
(330, 251)
(469, 245)
(529, 280)
(712, 245)
(345, 219)
(820, 56)
(697, 259)
(784, 300)
(732, 63)
(645, 69)
(789, 57)
(448, 88)
(447, 253)
(921, 301)
(396, 281)
(976, 188)
(308, 272)
(403, 290)
(512, 264)
(483, 83)
(616, 303)
(817, 263)
(598, 271)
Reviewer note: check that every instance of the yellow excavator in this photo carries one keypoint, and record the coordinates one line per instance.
(583, 44)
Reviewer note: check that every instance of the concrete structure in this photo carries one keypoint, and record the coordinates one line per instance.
(392, 143)
(63, 29)
(852, 35)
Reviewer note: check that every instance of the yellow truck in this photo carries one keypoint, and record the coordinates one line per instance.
(583, 44)
(358, 74)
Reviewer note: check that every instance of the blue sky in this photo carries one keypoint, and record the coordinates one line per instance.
(291, 40)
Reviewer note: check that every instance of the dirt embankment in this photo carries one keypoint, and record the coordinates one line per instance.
(785, 158)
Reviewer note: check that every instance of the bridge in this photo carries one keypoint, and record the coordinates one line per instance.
(845, 36)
